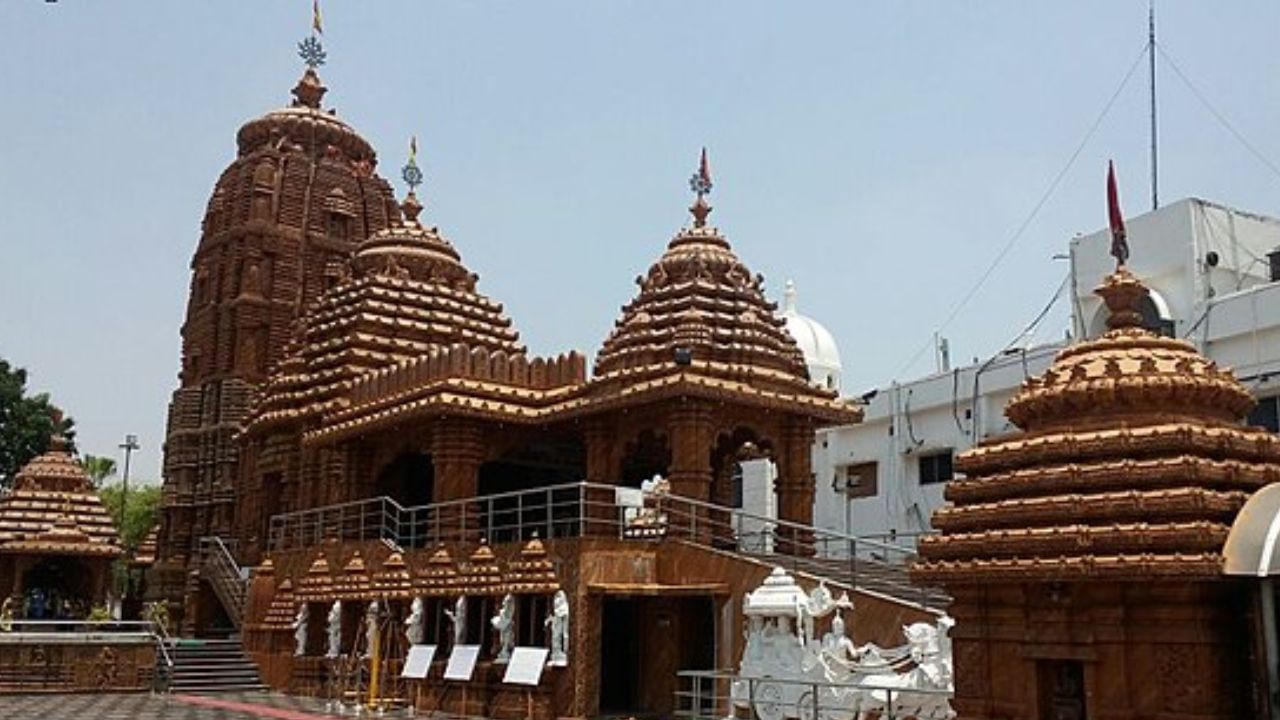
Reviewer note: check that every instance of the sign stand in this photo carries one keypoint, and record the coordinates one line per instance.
(417, 664)
(525, 668)
(460, 668)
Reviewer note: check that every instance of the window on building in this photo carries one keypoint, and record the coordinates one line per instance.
(935, 467)
(858, 480)
(338, 227)
(1266, 414)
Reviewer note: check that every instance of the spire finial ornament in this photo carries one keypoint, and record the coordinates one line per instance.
(789, 297)
(412, 176)
(701, 185)
(1119, 239)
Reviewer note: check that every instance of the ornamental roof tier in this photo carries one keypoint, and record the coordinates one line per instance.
(53, 509)
(1131, 464)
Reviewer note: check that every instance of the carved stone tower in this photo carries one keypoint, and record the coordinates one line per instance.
(278, 230)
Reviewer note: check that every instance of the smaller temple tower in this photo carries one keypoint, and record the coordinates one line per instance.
(1084, 554)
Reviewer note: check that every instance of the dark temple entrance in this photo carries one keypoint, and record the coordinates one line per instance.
(644, 642)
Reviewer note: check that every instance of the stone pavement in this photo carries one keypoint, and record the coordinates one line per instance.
(142, 706)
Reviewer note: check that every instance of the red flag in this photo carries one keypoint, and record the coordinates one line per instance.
(1119, 243)
(704, 167)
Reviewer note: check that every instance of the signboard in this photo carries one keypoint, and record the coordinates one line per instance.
(462, 662)
(418, 664)
(526, 666)
(628, 497)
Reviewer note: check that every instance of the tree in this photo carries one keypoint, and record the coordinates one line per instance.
(27, 422)
(98, 468)
(141, 512)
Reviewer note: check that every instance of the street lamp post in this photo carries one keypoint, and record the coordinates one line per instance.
(129, 445)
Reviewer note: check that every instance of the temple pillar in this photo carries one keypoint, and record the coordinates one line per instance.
(692, 433)
(599, 436)
(457, 449)
(795, 485)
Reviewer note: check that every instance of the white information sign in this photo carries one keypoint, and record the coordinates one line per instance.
(628, 497)
(462, 662)
(526, 666)
(418, 664)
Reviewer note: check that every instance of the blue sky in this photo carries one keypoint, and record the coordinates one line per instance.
(878, 154)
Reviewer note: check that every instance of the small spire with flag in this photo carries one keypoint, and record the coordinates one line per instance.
(701, 185)
(317, 22)
(1119, 239)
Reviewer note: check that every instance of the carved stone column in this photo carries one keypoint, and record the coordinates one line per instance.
(690, 427)
(600, 514)
(457, 448)
(795, 485)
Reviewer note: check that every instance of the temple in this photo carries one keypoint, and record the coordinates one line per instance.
(1085, 553)
(361, 424)
(57, 541)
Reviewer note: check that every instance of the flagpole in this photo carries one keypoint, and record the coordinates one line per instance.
(1151, 58)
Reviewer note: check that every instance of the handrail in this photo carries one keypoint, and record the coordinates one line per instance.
(584, 508)
(697, 698)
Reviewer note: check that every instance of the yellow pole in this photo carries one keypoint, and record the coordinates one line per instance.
(375, 665)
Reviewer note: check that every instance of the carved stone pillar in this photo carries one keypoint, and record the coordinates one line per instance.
(692, 433)
(457, 448)
(795, 485)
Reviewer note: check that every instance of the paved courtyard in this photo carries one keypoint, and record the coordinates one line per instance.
(142, 706)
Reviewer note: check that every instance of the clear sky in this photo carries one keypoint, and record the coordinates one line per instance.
(878, 154)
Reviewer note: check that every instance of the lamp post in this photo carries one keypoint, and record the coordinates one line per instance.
(129, 445)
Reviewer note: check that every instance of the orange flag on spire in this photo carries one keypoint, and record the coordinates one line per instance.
(316, 24)
(704, 167)
(1119, 241)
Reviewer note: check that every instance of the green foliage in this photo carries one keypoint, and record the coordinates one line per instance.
(142, 511)
(26, 423)
(99, 468)
(99, 613)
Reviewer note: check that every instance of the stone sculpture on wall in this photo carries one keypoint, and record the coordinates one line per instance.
(559, 622)
(458, 617)
(335, 630)
(505, 623)
(851, 680)
(372, 616)
(300, 630)
(413, 626)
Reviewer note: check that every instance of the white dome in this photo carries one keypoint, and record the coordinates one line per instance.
(821, 353)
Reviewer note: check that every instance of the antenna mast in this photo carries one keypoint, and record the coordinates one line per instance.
(1151, 58)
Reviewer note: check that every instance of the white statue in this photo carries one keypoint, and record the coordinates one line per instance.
(836, 645)
(559, 622)
(413, 626)
(335, 630)
(300, 630)
(458, 616)
(505, 623)
(371, 618)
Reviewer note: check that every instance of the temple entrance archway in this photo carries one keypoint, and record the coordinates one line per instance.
(59, 587)
(646, 456)
(409, 479)
(644, 642)
(515, 514)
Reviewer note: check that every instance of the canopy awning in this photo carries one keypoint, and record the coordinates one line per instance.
(1251, 548)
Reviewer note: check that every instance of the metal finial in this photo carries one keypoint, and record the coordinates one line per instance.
(701, 184)
(311, 52)
(411, 173)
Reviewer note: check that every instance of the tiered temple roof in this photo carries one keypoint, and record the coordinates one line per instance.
(53, 509)
(1131, 463)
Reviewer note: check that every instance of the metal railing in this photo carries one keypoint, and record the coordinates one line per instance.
(228, 580)
(723, 695)
(589, 509)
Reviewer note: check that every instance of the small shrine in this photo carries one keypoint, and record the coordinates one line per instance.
(1085, 553)
(57, 541)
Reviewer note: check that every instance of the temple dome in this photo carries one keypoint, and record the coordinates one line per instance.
(1132, 463)
(306, 125)
(699, 296)
(423, 253)
(821, 353)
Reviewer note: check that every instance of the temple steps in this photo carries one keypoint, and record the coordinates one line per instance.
(201, 666)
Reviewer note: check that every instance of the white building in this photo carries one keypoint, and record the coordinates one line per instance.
(1211, 281)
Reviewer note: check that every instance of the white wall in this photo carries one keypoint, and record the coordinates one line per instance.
(1231, 311)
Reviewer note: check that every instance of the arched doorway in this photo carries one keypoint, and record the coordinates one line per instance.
(648, 455)
(59, 587)
(409, 479)
(538, 464)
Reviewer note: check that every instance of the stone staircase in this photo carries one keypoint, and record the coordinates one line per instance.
(206, 666)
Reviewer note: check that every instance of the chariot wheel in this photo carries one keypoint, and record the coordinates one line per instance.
(768, 701)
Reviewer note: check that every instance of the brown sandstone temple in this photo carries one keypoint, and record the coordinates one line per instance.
(359, 422)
